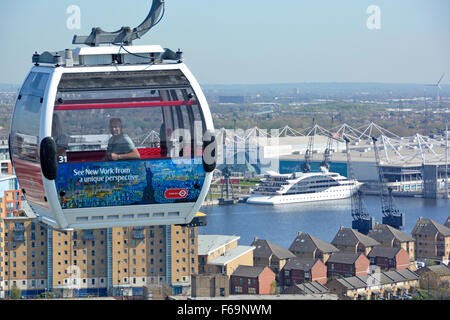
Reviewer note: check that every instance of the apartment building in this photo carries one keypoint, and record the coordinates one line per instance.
(221, 254)
(390, 237)
(352, 241)
(115, 261)
(432, 240)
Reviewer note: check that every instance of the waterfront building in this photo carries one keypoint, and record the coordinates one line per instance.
(343, 264)
(432, 240)
(350, 240)
(115, 261)
(270, 254)
(300, 270)
(252, 280)
(441, 270)
(391, 237)
(210, 285)
(389, 258)
(308, 246)
(221, 254)
(373, 286)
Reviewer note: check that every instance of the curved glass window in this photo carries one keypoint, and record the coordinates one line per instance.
(127, 138)
(125, 116)
(27, 117)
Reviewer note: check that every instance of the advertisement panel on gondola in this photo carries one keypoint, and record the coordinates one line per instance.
(102, 184)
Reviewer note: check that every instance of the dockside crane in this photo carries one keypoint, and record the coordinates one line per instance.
(306, 165)
(327, 153)
(361, 219)
(391, 214)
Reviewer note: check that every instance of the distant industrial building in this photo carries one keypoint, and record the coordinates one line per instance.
(413, 166)
(232, 99)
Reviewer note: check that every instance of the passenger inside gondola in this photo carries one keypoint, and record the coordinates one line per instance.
(120, 145)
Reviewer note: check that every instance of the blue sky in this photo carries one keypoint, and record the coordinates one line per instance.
(252, 41)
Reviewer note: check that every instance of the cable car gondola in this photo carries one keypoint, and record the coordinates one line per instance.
(80, 130)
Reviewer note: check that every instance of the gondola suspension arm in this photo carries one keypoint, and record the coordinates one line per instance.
(125, 35)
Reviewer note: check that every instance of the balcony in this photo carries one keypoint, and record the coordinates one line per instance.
(19, 228)
(19, 237)
(88, 235)
(138, 234)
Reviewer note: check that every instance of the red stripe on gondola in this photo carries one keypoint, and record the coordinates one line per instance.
(125, 105)
(111, 100)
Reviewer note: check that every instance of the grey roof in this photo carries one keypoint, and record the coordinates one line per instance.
(447, 223)
(231, 255)
(440, 269)
(344, 257)
(207, 244)
(352, 282)
(384, 252)
(300, 264)
(401, 275)
(351, 237)
(384, 233)
(308, 243)
(248, 271)
(377, 279)
(265, 249)
(430, 227)
(407, 274)
(312, 287)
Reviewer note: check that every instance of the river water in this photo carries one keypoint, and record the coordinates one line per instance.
(280, 224)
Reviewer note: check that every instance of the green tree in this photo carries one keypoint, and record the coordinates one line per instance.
(274, 288)
(16, 293)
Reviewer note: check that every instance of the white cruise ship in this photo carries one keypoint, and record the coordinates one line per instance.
(302, 187)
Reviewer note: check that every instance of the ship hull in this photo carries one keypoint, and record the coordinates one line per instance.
(333, 193)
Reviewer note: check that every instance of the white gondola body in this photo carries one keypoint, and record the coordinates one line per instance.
(45, 196)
